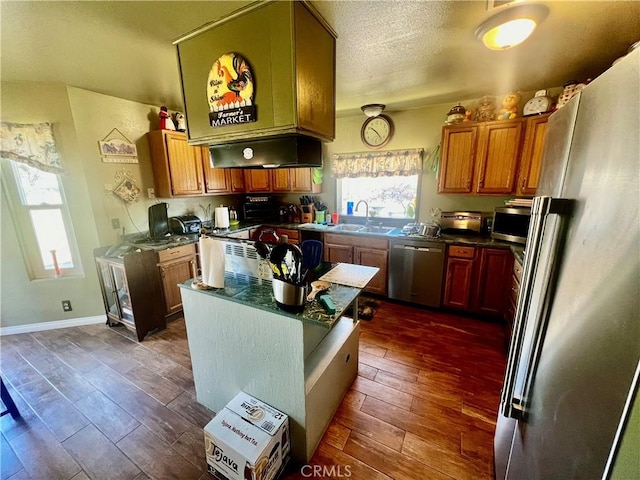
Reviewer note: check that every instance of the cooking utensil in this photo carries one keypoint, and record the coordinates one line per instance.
(262, 249)
(287, 257)
(317, 287)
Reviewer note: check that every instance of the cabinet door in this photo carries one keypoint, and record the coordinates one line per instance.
(531, 159)
(185, 165)
(217, 180)
(372, 257)
(338, 253)
(497, 157)
(494, 276)
(280, 180)
(236, 179)
(301, 179)
(108, 290)
(458, 280)
(173, 273)
(257, 180)
(457, 159)
(121, 289)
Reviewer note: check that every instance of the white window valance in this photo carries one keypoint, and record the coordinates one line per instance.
(32, 144)
(377, 164)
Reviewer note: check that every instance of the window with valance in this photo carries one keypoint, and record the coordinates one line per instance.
(32, 185)
(387, 180)
(377, 164)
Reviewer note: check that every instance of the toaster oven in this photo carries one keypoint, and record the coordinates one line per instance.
(185, 224)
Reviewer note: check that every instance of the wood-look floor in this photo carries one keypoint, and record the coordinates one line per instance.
(97, 404)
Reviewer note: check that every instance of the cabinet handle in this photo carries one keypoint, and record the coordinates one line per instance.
(469, 184)
(162, 272)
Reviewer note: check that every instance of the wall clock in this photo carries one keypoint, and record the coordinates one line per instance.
(376, 131)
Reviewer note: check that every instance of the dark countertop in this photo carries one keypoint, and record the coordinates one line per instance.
(396, 235)
(252, 292)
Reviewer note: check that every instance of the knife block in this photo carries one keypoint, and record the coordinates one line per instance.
(307, 213)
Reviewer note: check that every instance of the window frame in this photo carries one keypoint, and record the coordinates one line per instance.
(27, 240)
(385, 220)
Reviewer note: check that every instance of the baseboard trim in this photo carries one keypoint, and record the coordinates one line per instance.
(38, 327)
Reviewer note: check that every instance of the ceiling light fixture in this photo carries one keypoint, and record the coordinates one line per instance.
(373, 109)
(511, 26)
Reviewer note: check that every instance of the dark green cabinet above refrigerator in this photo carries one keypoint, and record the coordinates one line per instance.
(290, 52)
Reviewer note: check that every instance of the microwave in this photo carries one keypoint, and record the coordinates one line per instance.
(511, 224)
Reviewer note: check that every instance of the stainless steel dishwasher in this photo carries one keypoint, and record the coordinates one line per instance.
(415, 270)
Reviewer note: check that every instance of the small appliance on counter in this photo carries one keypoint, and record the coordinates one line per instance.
(158, 220)
(260, 208)
(185, 224)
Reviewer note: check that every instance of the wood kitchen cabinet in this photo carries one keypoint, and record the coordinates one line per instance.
(281, 180)
(459, 277)
(180, 169)
(490, 158)
(497, 157)
(359, 250)
(175, 265)
(177, 166)
(477, 279)
(130, 289)
(531, 159)
(257, 180)
(492, 285)
(216, 180)
(457, 159)
(236, 180)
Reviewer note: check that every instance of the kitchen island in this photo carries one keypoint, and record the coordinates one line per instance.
(300, 363)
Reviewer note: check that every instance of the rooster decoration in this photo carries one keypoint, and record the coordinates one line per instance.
(230, 83)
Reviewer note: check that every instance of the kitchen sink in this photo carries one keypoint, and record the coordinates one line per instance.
(355, 228)
(347, 227)
(379, 230)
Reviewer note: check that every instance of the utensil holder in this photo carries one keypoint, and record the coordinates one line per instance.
(289, 297)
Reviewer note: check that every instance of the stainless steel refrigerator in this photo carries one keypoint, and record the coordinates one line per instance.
(572, 369)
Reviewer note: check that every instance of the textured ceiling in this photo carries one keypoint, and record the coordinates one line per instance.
(401, 53)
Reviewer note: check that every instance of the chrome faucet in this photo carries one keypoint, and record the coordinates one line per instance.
(366, 211)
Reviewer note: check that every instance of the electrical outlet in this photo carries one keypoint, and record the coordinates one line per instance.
(66, 305)
(115, 223)
(151, 193)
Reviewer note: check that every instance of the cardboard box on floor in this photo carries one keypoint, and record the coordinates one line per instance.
(247, 440)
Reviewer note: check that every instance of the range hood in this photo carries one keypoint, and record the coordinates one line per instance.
(262, 78)
(281, 151)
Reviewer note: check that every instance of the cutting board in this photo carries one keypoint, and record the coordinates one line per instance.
(350, 275)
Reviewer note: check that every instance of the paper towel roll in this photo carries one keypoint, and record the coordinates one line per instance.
(222, 217)
(212, 262)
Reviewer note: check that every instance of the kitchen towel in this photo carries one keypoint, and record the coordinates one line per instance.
(222, 217)
(212, 262)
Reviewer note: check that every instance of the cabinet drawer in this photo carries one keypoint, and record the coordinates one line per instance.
(176, 252)
(517, 270)
(515, 289)
(462, 252)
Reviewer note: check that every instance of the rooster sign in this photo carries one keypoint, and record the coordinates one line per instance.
(230, 91)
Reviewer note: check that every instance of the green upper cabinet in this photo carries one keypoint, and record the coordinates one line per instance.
(291, 53)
